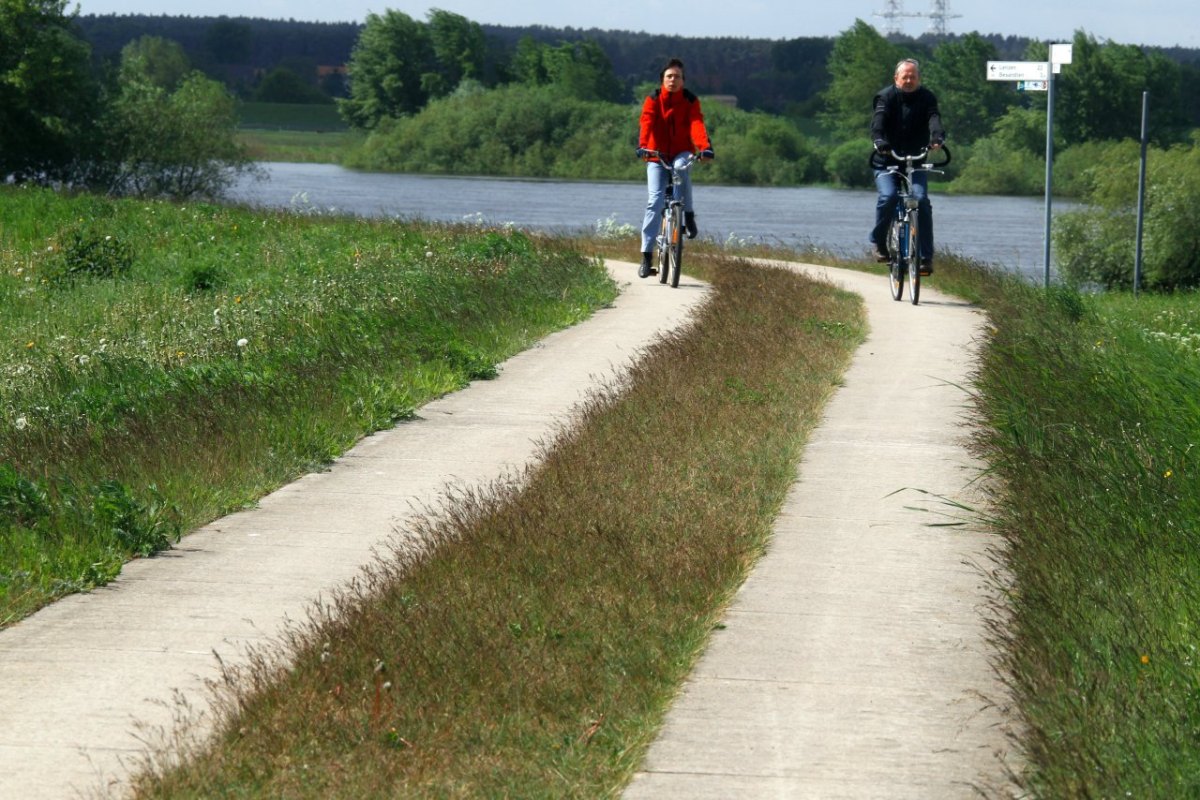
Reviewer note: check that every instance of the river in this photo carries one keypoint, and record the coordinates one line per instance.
(1006, 231)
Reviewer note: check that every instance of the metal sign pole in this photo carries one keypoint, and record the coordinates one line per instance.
(1141, 203)
(1049, 172)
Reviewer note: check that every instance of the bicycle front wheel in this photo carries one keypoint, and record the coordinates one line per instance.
(676, 252)
(895, 260)
(664, 245)
(914, 260)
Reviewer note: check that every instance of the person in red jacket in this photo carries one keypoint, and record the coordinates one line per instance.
(672, 124)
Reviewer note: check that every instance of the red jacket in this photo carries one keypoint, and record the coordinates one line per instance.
(673, 123)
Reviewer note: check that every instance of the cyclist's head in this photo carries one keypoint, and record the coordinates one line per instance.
(671, 76)
(908, 74)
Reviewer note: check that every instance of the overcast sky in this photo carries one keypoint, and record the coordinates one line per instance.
(1154, 22)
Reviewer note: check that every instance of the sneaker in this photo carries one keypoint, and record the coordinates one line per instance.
(645, 271)
(881, 255)
(689, 222)
(926, 266)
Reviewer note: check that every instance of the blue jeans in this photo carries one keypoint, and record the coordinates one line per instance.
(657, 179)
(885, 210)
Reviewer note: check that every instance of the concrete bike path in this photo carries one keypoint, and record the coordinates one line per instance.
(853, 662)
(85, 680)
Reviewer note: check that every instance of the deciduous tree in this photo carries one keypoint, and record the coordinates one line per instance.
(862, 63)
(385, 70)
(48, 97)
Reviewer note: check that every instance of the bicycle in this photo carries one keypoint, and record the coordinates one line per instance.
(669, 243)
(904, 264)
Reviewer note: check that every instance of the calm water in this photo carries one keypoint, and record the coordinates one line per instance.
(999, 230)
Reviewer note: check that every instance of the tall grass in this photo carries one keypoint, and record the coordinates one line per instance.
(1090, 411)
(299, 147)
(530, 649)
(164, 364)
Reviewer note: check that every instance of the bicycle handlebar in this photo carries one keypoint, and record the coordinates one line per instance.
(908, 160)
(644, 153)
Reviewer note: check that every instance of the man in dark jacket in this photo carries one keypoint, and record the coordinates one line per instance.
(906, 121)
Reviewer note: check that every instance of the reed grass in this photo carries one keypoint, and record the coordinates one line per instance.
(530, 645)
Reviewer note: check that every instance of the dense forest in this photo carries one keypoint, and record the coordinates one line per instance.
(777, 76)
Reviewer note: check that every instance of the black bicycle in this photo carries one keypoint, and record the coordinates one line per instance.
(668, 246)
(904, 263)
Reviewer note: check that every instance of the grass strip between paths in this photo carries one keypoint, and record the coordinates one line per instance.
(532, 649)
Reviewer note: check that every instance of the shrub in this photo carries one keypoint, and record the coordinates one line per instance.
(1097, 244)
(848, 164)
(86, 253)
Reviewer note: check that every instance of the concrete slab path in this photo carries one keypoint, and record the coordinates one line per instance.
(84, 680)
(853, 663)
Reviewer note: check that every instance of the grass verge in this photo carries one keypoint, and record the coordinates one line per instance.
(1090, 419)
(165, 364)
(532, 650)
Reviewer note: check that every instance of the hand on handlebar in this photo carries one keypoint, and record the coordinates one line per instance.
(706, 154)
(882, 147)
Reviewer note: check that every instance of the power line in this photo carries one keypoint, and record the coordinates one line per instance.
(893, 12)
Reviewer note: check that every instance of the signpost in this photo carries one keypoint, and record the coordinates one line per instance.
(1038, 76)
(1018, 70)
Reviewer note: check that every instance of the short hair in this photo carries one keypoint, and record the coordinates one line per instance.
(674, 62)
(904, 61)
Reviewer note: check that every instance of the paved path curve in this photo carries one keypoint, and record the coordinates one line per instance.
(82, 679)
(851, 665)
(853, 661)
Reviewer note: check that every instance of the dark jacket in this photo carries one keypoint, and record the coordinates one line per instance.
(673, 123)
(907, 121)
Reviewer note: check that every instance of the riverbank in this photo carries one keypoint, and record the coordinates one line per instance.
(993, 230)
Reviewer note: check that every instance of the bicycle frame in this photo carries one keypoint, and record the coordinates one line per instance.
(669, 243)
(903, 237)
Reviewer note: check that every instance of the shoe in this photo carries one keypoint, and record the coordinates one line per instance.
(881, 255)
(645, 271)
(926, 266)
(689, 222)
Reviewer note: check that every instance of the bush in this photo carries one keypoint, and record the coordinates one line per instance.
(995, 167)
(761, 150)
(1077, 168)
(540, 132)
(88, 254)
(1098, 244)
(848, 164)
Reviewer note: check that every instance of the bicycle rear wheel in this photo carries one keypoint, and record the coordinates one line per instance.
(895, 260)
(913, 260)
(676, 252)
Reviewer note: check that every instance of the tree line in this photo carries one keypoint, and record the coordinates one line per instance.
(783, 76)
